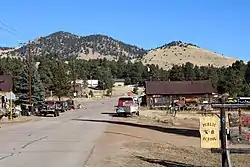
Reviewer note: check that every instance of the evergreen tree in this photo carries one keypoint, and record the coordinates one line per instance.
(188, 71)
(176, 73)
(105, 79)
(38, 92)
(247, 73)
(22, 86)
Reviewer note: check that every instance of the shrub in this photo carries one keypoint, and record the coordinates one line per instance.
(135, 90)
(91, 94)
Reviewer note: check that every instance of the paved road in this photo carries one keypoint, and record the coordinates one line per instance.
(54, 142)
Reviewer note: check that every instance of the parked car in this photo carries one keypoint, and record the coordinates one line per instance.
(27, 109)
(127, 106)
(66, 105)
(60, 106)
(49, 108)
(71, 104)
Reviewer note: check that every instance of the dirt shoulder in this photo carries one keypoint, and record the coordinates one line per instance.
(20, 119)
(144, 142)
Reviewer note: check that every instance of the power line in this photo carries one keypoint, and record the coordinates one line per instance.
(7, 30)
(9, 27)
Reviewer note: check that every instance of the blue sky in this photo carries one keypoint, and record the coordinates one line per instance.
(222, 26)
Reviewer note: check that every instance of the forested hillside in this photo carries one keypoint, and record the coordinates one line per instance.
(66, 44)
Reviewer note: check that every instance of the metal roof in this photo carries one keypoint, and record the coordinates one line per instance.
(119, 80)
(179, 87)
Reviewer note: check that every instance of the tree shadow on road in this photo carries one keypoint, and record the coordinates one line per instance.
(184, 132)
(165, 162)
(110, 114)
(115, 114)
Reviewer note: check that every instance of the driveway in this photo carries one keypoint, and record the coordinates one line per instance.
(54, 141)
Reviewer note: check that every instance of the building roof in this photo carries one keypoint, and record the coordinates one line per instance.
(6, 83)
(119, 80)
(179, 87)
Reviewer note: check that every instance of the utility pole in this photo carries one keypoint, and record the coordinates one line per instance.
(59, 80)
(30, 72)
(74, 75)
(224, 162)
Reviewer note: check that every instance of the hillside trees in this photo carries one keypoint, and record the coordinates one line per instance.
(105, 78)
(58, 77)
(247, 73)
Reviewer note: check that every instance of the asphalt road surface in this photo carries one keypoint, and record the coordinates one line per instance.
(63, 141)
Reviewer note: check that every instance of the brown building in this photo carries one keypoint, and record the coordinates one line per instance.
(163, 93)
(6, 83)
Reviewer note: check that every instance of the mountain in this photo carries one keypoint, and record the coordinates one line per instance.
(4, 51)
(84, 47)
(100, 46)
(5, 48)
(178, 52)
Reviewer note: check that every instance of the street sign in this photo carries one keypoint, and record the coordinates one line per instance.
(210, 131)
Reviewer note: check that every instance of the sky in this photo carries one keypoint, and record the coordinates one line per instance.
(222, 26)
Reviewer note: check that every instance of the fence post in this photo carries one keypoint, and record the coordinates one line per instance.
(223, 134)
(240, 129)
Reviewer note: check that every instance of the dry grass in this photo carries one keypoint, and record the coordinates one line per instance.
(131, 145)
(120, 91)
(166, 57)
(21, 119)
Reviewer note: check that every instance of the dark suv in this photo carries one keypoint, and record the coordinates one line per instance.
(49, 107)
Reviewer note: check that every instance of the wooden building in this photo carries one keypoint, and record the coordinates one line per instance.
(163, 93)
(6, 84)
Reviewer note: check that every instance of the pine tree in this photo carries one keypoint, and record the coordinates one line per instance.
(38, 91)
(22, 86)
(247, 73)
(105, 79)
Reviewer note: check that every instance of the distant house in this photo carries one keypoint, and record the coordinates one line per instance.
(78, 87)
(78, 81)
(92, 83)
(162, 93)
(118, 82)
(6, 84)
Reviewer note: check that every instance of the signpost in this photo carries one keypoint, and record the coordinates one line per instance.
(11, 96)
(209, 130)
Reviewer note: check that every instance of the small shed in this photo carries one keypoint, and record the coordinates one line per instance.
(163, 93)
(119, 82)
